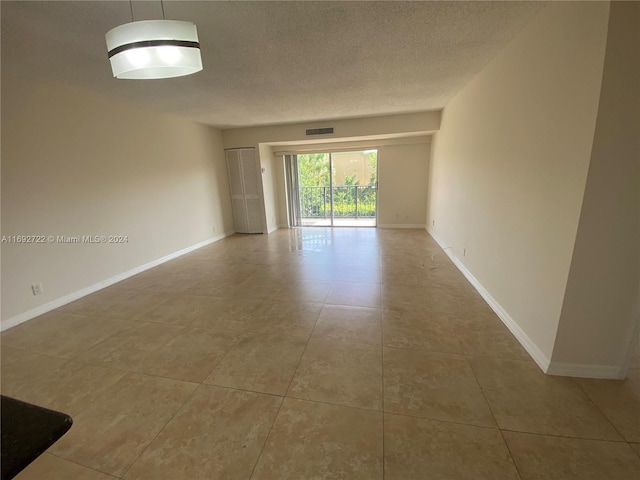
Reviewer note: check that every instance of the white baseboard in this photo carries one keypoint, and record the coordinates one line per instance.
(271, 230)
(401, 225)
(529, 345)
(59, 302)
(549, 367)
(585, 371)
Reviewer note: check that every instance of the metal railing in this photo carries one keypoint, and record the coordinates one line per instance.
(349, 201)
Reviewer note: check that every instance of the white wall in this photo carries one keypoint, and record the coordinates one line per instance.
(74, 163)
(510, 162)
(602, 305)
(403, 172)
(269, 187)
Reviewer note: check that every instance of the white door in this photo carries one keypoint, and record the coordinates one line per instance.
(244, 183)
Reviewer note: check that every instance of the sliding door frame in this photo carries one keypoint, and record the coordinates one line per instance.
(292, 186)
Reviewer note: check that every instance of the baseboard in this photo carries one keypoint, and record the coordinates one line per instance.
(401, 225)
(59, 302)
(529, 345)
(271, 230)
(585, 371)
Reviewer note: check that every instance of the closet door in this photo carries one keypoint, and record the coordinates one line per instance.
(234, 168)
(244, 182)
(252, 189)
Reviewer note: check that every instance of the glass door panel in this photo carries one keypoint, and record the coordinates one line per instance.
(314, 180)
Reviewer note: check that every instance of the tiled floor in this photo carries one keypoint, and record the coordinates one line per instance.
(310, 354)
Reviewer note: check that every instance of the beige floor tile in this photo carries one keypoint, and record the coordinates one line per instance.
(420, 330)
(50, 467)
(183, 310)
(432, 299)
(21, 370)
(417, 448)
(258, 288)
(213, 287)
(341, 373)
(349, 324)
(391, 276)
(190, 355)
(128, 349)
(313, 273)
(540, 457)
(359, 273)
(163, 280)
(232, 314)
(399, 259)
(321, 441)
(70, 388)
(619, 400)
(260, 363)
(488, 337)
(446, 277)
(524, 399)
(433, 385)
(116, 302)
(316, 258)
(113, 431)
(60, 334)
(307, 292)
(286, 318)
(354, 294)
(356, 259)
(218, 434)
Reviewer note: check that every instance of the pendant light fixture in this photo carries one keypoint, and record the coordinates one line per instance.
(153, 48)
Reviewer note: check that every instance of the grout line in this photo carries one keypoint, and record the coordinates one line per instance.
(586, 394)
(47, 452)
(162, 429)
(266, 439)
(282, 402)
(569, 437)
(513, 460)
(504, 440)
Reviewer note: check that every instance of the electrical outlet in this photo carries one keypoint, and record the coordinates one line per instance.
(213, 229)
(433, 223)
(36, 289)
(464, 252)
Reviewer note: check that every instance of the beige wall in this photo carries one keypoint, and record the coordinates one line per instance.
(403, 172)
(601, 305)
(510, 162)
(74, 163)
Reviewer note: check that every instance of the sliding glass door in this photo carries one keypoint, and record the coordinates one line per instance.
(333, 189)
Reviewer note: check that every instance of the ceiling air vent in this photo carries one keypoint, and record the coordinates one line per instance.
(319, 131)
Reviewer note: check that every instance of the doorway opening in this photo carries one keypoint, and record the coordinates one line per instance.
(333, 189)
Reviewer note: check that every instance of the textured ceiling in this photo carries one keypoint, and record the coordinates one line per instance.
(274, 62)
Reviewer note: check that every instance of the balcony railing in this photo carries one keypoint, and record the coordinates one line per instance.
(349, 201)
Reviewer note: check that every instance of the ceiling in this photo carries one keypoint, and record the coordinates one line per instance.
(273, 62)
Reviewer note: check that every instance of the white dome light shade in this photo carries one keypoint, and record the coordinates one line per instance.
(154, 49)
